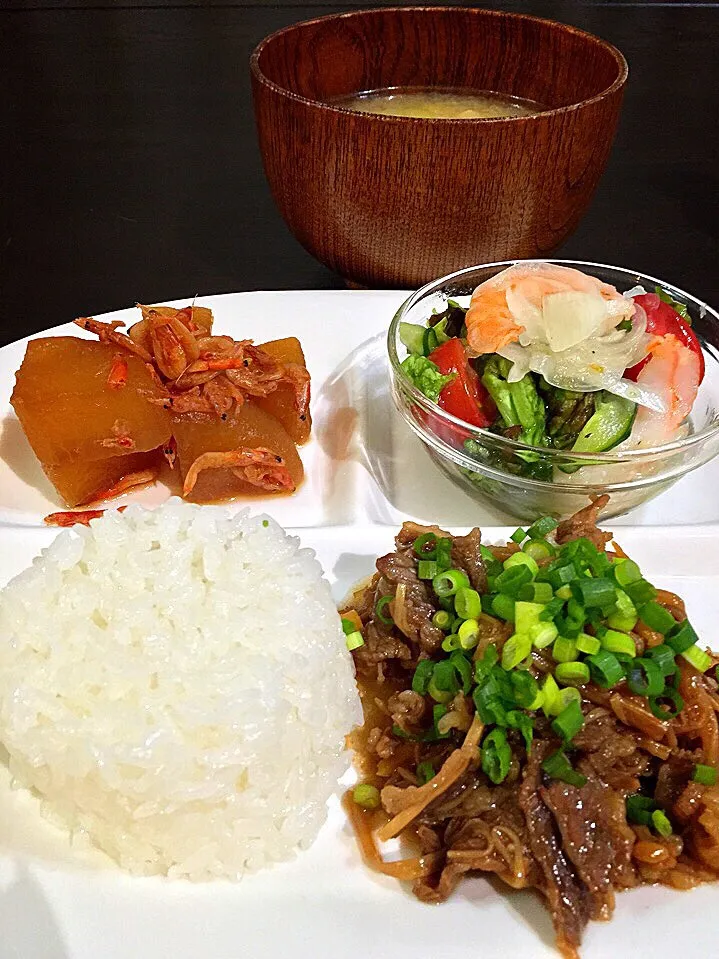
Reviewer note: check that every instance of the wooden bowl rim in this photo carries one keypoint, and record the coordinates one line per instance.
(616, 85)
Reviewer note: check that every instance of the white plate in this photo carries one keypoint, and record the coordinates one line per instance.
(362, 465)
(60, 903)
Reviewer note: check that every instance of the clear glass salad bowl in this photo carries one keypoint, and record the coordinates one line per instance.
(493, 467)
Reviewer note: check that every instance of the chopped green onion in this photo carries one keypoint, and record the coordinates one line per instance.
(521, 721)
(448, 582)
(564, 592)
(349, 626)
(698, 658)
(550, 697)
(587, 644)
(616, 642)
(425, 546)
(444, 553)
(640, 809)
(564, 650)
(705, 775)
(451, 642)
(538, 550)
(681, 636)
(517, 648)
(552, 608)
(597, 593)
(366, 796)
(467, 603)
(656, 617)
(442, 619)
(456, 623)
(521, 559)
(624, 618)
(503, 606)
(557, 766)
(560, 575)
(640, 592)
(543, 635)
(447, 603)
(524, 687)
(426, 569)
(661, 823)
(566, 696)
(626, 571)
(438, 711)
(572, 674)
(496, 756)
(519, 535)
(463, 669)
(486, 553)
(468, 634)
(665, 713)
(437, 694)
(422, 676)
(645, 678)
(605, 668)
(354, 640)
(379, 610)
(425, 772)
(663, 656)
(569, 721)
(526, 615)
(540, 593)
(542, 527)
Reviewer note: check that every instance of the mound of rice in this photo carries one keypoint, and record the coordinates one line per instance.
(176, 684)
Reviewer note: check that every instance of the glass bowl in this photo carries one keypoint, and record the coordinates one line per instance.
(494, 468)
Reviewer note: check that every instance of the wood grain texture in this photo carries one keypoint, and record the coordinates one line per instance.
(397, 201)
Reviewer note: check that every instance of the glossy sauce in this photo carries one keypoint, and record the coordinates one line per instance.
(447, 103)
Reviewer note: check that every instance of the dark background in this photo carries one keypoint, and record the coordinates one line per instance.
(130, 169)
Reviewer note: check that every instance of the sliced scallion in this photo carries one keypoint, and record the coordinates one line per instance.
(572, 674)
(467, 603)
(425, 546)
(496, 756)
(705, 775)
(615, 642)
(569, 721)
(354, 640)
(605, 668)
(521, 559)
(557, 766)
(564, 650)
(468, 634)
(427, 569)
(442, 619)
(517, 648)
(681, 636)
(656, 617)
(379, 610)
(448, 582)
(661, 823)
(698, 658)
(587, 644)
(645, 678)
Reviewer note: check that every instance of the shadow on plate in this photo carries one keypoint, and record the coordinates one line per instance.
(17, 454)
(29, 929)
(358, 422)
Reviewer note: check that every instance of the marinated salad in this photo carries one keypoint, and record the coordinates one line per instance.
(551, 357)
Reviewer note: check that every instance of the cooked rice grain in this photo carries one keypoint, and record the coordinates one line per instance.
(176, 683)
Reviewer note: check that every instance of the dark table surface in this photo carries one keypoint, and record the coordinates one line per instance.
(130, 169)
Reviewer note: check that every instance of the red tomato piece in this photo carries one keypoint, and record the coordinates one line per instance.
(661, 320)
(464, 397)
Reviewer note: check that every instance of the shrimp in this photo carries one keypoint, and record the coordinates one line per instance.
(674, 372)
(491, 320)
(260, 467)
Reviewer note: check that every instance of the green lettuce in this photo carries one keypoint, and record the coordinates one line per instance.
(426, 376)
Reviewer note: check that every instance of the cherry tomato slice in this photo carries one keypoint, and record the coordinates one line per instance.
(663, 319)
(464, 397)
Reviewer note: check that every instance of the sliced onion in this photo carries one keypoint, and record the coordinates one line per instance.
(571, 317)
(527, 315)
(635, 291)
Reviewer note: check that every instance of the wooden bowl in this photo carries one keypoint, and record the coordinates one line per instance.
(394, 201)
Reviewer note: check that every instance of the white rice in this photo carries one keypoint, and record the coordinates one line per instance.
(175, 684)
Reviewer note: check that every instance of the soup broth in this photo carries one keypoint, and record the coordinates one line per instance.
(439, 103)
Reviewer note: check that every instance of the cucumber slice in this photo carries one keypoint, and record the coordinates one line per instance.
(607, 427)
(610, 423)
(430, 341)
(412, 336)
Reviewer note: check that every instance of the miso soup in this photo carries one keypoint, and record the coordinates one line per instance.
(445, 103)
